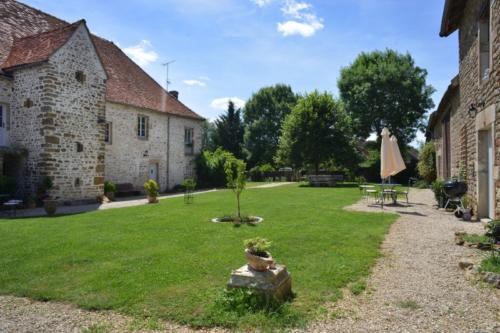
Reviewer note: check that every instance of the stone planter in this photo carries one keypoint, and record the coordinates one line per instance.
(110, 195)
(467, 214)
(258, 263)
(152, 200)
(50, 206)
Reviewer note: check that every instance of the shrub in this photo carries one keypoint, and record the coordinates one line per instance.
(438, 189)
(493, 231)
(257, 245)
(109, 187)
(8, 185)
(210, 168)
(427, 162)
(189, 184)
(44, 187)
(258, 173)
(152, 189)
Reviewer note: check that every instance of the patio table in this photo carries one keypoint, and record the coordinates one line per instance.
(388, 188)
(13, 204)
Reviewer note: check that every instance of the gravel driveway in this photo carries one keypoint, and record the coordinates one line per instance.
(415, 287)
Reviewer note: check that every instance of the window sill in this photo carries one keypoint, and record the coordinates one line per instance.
(142, 138)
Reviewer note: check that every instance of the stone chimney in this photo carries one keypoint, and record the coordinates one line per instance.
(174, 94)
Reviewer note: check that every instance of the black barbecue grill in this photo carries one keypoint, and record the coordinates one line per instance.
(454, 191)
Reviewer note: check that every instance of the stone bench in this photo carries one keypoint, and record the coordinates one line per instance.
(325, 180)
(126, 190)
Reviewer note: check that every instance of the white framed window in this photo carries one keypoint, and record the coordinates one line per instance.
(108, 132)
(142, 127)
(188, 141)
(484, 43)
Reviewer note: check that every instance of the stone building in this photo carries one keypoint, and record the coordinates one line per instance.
(465, 125)
(75, 108)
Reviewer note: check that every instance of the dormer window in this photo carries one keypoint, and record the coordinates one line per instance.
(484, 42)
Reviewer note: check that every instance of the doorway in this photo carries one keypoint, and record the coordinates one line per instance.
(486, 184)
(153, 171)
(4, 135)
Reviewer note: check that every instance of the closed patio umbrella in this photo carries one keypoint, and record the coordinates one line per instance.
(386, 160)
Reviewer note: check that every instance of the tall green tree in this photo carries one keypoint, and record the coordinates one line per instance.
(229, 131)
(263, 117)
(207, 136)
(316, 131)
(386, 89)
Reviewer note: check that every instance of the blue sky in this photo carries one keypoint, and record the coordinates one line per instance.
(230, 48)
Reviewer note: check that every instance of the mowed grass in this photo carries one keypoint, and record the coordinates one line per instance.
(168, 261)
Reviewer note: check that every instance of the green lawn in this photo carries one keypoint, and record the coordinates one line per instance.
(168, 261)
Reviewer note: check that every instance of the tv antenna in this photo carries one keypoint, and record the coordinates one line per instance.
(167, 66)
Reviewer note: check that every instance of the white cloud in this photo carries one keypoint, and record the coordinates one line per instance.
(204, 78)
(142, 53)
(193, 83)
(221, 103)
(301, 19)
(295, 9)
(262, 3)
(308, 29)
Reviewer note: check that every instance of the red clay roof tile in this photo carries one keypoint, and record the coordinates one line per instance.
(40, 47)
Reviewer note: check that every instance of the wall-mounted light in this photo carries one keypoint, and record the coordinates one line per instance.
(474, 107)
(101, 119)
(145, 154)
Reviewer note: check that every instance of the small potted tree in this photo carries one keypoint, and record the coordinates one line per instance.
(256, 252)
(49, 203)
(152, 191)
(109, 190)
(467, 209)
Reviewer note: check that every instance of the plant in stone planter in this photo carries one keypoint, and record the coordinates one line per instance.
(109, 190)
(467, 209)
(49, 204)
(30, 202)
(152, 190)
(256, 252)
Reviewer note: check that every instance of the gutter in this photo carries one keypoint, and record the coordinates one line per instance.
(168, 152)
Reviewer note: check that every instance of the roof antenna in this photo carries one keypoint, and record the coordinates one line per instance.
(167, 65)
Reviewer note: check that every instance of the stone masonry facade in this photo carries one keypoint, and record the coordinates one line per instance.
(55, 117)
(64, 92)
(129, 157)
(482, 93)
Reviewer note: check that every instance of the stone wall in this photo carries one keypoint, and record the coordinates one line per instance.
(5, 90)
(474, 90)
(53, 113)
(182, 165)
(128, 157)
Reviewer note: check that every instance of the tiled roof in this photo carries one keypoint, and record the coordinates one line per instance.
(40, 47)
(127, 82)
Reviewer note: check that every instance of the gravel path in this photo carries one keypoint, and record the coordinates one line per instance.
(417, 285)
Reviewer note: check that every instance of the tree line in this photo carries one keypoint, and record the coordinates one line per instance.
(278, 127)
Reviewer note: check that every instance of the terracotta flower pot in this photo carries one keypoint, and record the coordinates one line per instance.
(50, 206)
(259, 263)
(152, 200)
